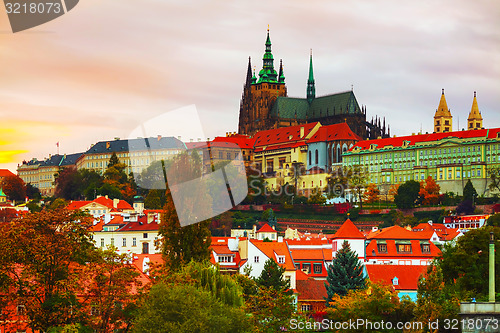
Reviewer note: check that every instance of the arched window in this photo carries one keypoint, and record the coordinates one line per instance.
(310, 158)
(316, 156)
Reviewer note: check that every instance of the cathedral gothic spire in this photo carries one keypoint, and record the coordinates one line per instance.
(267, 73)
(475, 120)
(311, 90)
(442, 118)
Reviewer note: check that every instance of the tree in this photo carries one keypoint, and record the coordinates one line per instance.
(494, 174)
(372, 193)
(317, 198)
(33, 192)
(345, 273)
(298, 170)
(347, 178)
(407, 194)
(435, 301)
(14, 188)
(465, 265)
(272, 276)
(8, 214)
(494, 220)
(271, 309)
(113, 160)
(186, 308)
(376, 303)
(111, 290)
(41, 257)
(69, 184)
(469, 191)
(429, 191)
(179, 244)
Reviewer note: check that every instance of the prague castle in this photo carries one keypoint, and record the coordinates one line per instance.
(265, 104)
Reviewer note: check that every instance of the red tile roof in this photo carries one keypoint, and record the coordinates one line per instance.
(407, 275)
(276, 138)
(348, 231)
(140, 226)
(334, 132)
(311, 290)
(266, 228)
(307, 254)
(395, 232)
(77, 204)
(372, 251)
(272, 249)
(242, 141)
(5, 173)
(412, 139)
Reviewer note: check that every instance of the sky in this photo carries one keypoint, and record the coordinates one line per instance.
(104, 68)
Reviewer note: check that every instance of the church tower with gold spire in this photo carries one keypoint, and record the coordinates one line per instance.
(442, 118)
(475, 120)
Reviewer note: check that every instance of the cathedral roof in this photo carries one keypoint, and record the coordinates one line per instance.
(320, 107)
(289, 136)
(442, 110)
(474, 112)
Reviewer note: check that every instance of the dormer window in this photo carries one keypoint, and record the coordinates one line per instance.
(281, 259)
(403, 246)
(425, 247)
(395, 281)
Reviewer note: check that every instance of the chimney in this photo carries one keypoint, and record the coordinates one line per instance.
(374, 229)
(159, 137)
(151, 217)
(115, 203)
(301, 132)
(179, 137)
(108, 145)
(430, 222)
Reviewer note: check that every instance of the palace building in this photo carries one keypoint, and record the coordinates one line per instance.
(450, 157)
(265, 104)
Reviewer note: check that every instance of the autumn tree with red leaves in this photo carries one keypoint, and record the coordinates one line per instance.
(429, 191)
(371, 194)
(41, 257)
(14, 188)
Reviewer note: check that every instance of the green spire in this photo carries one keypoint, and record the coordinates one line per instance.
(267, 73)
(311, 90)
(1, 193)
(281, 76)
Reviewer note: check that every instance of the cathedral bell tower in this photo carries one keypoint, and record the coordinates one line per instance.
(442, 118)
(259, 94)
(475, 120)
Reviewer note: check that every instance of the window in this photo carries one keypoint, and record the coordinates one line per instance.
(21, 310)
(221, 155)
(281, 259)
(102, 242)
(306, 267)
(382, 248)
(124, 242)
(305, 307)
(256, 259)
(318, 268)
(112, 241)
(134, 241)
(403, 247)
(225, 259)
(316, 156)
(426, 248)
(297, 266)
(145, 235)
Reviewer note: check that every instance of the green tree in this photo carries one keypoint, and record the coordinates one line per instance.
(407, 194)
(494, 220)
(469, 191)
(342, 179)
(317, 198)
(271, 309)
(345, 273)
(69, 184)
(185, 308)
(465, 265)
(33, 192)
(41, 257)
(494, 174)
(376, 303)
(113, 160)
(435, 301)
(272, 276)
